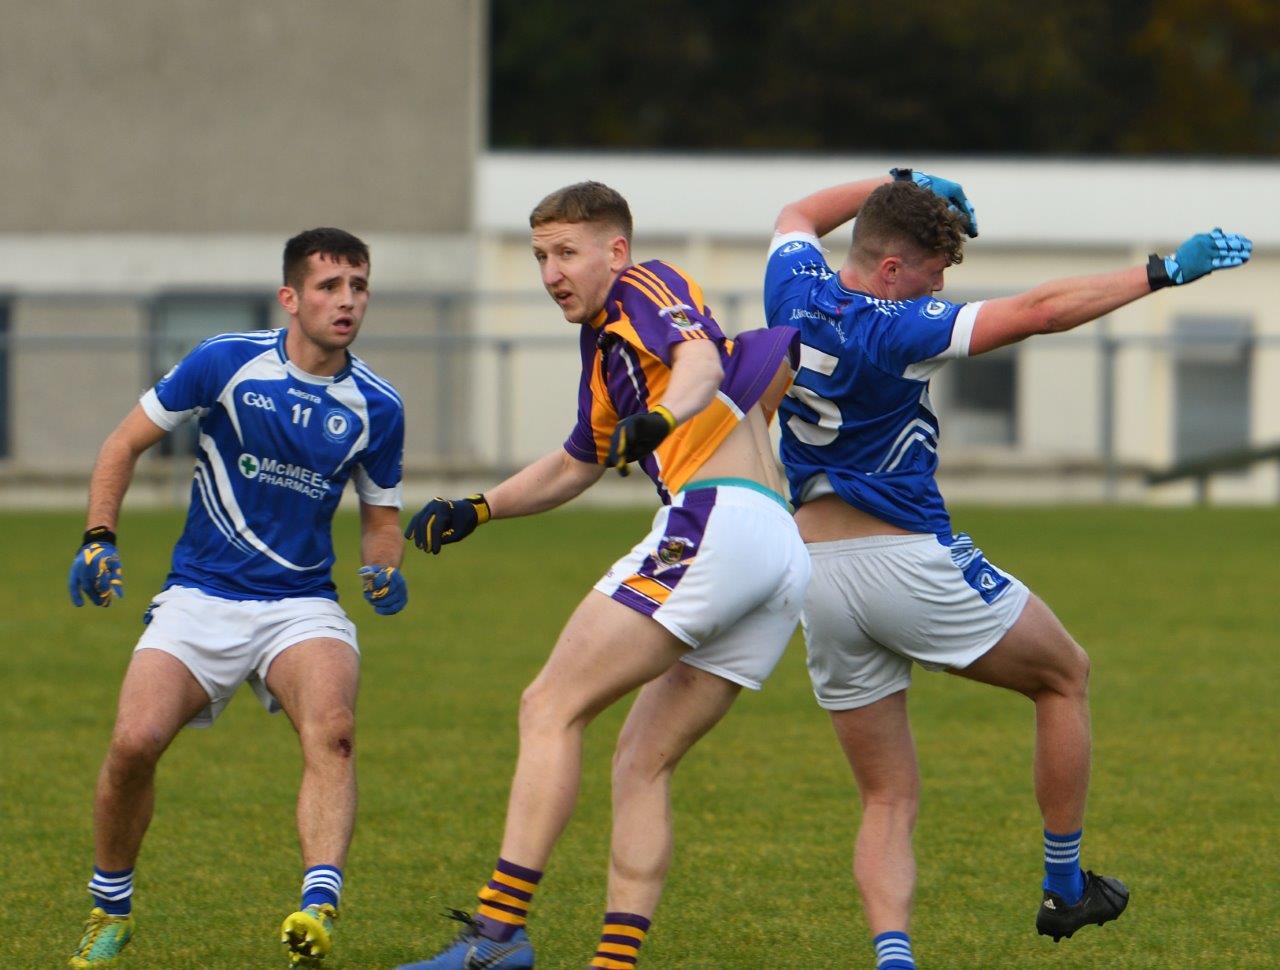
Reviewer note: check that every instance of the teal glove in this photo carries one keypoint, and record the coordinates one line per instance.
(1198, 256)
(96, 572)
(946, 189)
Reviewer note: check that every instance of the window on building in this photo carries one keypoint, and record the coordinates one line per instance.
(977, 399)
(1212, 362)
(179, 321)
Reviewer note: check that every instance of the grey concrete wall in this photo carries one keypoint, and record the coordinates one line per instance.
(239, 115)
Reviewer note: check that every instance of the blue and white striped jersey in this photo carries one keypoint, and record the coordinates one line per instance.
(276, 447)
(858, 421)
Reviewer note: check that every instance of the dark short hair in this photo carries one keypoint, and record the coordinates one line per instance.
(901, 214)
(584, 202)
(337, 244)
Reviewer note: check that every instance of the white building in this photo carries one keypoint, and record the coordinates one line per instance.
(156, 160)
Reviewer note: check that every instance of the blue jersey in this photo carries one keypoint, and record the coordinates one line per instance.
(858, 421)
(276, 447)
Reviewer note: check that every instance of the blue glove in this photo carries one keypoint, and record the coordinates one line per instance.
(384, 588)
(1199, 256)
(442, 521)
(96, 572)
(946, 189)
(637, 435)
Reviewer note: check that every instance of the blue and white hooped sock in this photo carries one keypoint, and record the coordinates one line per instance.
(320, 885)
(112, 891)
(1062, 873)
(893, 951)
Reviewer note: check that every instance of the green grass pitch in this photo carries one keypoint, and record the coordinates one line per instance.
(1176, 607)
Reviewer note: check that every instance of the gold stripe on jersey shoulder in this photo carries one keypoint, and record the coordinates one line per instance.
(644, 287)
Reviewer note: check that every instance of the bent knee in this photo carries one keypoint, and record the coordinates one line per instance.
(332, 732)
(544, 708)
(1069, 673)
(635, 763)
(136, 749)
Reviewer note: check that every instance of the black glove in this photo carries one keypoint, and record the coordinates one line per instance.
(637, 435)
(442, 521)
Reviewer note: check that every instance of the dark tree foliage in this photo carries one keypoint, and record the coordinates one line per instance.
(1187, 77)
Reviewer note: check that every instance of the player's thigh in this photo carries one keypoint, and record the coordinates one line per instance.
(876, 738)
(157, 697)
(848, 667)
(605, 651)
(669, 716)
(1037, 653)
(315, 678)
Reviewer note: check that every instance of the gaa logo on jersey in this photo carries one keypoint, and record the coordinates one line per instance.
(936, 308)
(249, 466)
(336, 425)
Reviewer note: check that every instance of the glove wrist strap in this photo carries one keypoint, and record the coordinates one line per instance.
(667, 416)
(482, 507)
(1157, 273)
(99, 533)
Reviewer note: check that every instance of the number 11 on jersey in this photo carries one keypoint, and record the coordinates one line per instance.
(301, 415)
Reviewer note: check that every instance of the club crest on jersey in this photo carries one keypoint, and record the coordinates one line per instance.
(936, 308)
(791, 247)
(679, 318)
(336, 425)
(672, 551)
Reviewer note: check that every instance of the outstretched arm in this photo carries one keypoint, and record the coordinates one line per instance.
(552, 480)
(1067, 303)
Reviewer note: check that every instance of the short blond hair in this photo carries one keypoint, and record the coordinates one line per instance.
(591, 202)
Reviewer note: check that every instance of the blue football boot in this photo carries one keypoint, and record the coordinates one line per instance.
(471, 951)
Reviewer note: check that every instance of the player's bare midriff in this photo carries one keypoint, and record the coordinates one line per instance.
(748, 452)
(830, 518)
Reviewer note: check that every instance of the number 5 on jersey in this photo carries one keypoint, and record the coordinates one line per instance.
(827, 427)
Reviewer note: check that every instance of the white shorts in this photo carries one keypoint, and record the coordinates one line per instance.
(724, 570)
(876, 604)
(225, 643)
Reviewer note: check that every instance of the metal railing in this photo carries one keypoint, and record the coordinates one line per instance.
(454, 344)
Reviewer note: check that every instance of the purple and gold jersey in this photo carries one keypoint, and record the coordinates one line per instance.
(626, 367)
